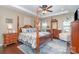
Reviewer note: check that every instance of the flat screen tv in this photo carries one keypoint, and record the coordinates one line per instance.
(76, 15)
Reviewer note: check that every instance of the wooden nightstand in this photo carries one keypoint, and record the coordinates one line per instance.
(10, 38)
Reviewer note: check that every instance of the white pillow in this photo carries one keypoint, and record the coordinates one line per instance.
(24, 30)
(32, 29)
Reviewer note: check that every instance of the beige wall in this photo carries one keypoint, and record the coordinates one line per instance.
(60, 19)
(7, 13)
(24, 19)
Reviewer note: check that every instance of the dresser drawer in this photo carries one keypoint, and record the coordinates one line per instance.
(6, 35)
(7, 38)
(10, 38)
(6, 42)
(14, 34)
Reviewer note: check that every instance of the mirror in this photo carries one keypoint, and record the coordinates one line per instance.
(54, 24)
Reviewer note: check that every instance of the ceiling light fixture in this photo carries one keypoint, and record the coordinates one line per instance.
(45, 9)
(44, 12)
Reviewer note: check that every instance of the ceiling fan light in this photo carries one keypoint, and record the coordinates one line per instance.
(44, 12)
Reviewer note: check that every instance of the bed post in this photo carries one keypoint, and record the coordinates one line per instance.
(37, 33)
(17, 25)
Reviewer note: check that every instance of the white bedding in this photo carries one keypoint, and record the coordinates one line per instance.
(31, 37)
(64, 36)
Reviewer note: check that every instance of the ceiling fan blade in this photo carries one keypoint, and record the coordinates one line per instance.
(44, 6)
(41, 7)
(49, 7)
(49, 11)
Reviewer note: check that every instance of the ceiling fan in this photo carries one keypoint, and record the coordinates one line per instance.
(45, 9)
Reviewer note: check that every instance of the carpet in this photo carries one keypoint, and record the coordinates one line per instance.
(52, 47)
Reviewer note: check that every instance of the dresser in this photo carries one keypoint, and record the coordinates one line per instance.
(10, 38)
(75, 37)
(54, 32)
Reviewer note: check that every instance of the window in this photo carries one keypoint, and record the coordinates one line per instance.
(66, 25)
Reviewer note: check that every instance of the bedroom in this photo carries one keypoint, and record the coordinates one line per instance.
(26, 14)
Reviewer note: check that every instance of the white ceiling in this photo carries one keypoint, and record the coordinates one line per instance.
(57, 9)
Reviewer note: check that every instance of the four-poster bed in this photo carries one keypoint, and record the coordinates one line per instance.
(37, 38)
(30, 38)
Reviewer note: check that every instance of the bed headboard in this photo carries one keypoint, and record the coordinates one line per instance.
(25, 26)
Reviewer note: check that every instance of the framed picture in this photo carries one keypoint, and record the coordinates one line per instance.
(9, 20)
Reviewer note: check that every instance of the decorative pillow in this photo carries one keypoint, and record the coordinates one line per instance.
(28, 30)
(24, 30)
(32, 30)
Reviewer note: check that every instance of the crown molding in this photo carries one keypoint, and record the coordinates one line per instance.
(56, 14)
(25, 10)
(34, 14)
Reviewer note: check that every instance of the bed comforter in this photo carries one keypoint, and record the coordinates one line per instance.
(31, 37)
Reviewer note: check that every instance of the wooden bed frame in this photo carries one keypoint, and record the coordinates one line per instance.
(42, 39)
(39, 40)
(25, 26)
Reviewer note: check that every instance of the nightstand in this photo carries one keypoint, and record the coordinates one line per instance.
(10, 38)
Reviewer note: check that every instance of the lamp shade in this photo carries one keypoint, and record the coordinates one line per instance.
(9, 26)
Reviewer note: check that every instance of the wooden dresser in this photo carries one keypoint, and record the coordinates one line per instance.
(75, 37)
(10, 38)
(54, 33)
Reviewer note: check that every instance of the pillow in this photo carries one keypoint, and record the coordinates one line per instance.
(28, 30)
(23, 30)
(32, 30)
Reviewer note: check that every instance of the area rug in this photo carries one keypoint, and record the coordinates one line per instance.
(51, 47)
